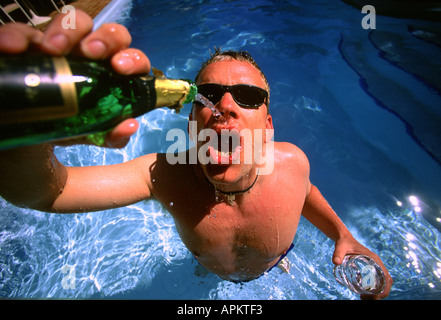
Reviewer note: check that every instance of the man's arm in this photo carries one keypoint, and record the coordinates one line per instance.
(317, 211)
(31, 177)
(105, 187)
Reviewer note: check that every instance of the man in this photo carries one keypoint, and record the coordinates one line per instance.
(237, 222)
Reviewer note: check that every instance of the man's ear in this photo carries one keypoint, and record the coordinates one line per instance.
(269, 132)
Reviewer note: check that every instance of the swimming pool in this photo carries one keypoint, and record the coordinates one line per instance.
(362, 104)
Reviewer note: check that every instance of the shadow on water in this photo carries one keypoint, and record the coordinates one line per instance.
(422, 123)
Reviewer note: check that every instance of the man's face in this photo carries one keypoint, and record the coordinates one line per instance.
(225, 167)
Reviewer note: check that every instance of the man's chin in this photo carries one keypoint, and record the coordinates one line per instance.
(226, 174)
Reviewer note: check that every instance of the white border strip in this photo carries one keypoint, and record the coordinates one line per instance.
(114, 8)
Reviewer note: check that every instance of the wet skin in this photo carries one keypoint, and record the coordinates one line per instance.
(239, 241)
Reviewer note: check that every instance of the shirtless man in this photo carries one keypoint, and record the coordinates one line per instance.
(249, 234)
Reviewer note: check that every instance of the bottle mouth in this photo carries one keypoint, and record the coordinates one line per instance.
(191, 96)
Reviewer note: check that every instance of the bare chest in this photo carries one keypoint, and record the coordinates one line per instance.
(256, 225)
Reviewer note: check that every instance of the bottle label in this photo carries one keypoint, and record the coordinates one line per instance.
(36, 89)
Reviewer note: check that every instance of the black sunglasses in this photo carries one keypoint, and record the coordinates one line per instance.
(246, 96)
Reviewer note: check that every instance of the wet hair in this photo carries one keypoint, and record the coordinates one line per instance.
(241, 55)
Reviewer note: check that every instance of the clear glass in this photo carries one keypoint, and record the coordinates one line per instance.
(361, 274)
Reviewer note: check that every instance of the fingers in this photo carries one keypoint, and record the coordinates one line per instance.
(131, 61)
(113, 40)
(339, 253)
(106, 41)
(384, 294)
(58, 39)
(109, 41)
(61, 40)
(17, 37)
(120, 135)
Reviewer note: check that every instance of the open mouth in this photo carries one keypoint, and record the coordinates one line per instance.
(226, 149)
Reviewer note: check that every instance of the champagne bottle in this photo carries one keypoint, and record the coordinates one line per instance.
(45, 98)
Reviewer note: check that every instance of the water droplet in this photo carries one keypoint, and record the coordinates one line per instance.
(216, 195)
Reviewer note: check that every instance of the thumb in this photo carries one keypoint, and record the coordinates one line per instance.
(120, 135)
(339, 253)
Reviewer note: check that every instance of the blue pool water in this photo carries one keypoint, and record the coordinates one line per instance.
(362, 104)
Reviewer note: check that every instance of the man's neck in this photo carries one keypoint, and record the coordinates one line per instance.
(243, 184)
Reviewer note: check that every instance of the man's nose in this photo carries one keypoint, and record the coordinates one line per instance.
(227, 106)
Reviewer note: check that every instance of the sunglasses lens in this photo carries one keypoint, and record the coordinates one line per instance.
(246, 96)
(212, 92)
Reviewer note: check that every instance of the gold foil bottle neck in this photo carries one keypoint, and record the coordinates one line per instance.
(171, 93)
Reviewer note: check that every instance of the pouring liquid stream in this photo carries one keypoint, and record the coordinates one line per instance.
(207, 103)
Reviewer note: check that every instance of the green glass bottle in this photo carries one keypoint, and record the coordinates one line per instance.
(44, 98)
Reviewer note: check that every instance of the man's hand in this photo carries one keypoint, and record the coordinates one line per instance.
(32, 176)
(349, 245)
(110, 41)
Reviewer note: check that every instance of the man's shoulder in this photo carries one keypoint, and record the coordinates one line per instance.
(289, 152)
(289, 149)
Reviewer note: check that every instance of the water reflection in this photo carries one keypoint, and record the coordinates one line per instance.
(415, 202)
(408, 244)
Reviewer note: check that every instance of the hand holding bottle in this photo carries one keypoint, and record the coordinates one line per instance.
(361, 274)
(349, 246)
(32, 176)
(111, 41)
